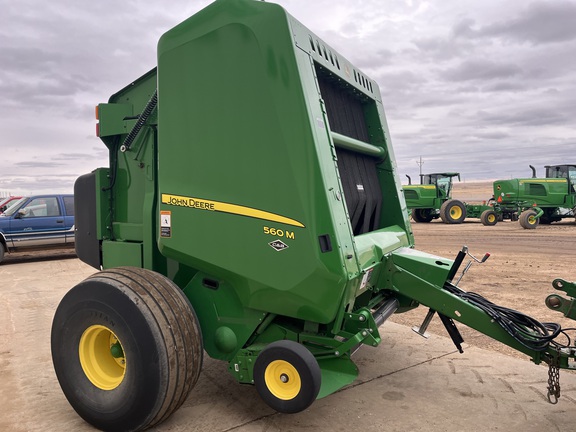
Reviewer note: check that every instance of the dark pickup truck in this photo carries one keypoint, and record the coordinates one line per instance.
(37, 222)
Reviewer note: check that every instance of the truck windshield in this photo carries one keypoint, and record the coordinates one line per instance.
(14, 206)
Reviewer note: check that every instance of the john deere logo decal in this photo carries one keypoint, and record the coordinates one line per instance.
(278, 245)
(218, 206)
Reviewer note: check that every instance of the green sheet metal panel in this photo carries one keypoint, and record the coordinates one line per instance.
(117, 254)
(238, 168)
(248, 177)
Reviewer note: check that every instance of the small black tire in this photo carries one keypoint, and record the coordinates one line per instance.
(528, 220)
(126, 348)
(489, 218)
(287, 376)
(2, 252)
(422, 215)
(453, 211)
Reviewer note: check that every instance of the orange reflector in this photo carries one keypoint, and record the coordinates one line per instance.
(96, 113)
(499, 198)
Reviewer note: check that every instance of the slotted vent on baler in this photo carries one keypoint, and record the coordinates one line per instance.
(358, 172)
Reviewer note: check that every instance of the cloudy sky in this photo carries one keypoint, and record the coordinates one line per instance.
(480, 87)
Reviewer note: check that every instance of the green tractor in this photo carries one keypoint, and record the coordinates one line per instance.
(251, 210)
(539, 200)
(431, 199)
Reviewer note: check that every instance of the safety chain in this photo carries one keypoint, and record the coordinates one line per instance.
(554, 379)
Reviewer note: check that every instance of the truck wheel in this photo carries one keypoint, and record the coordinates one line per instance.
(2, 251)
(489, 218)
(453, 212)
(126, 348)
(422, 215)
(287, 376)
(528, 220)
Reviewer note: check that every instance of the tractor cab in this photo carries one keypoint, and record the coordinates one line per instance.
(564, 172)
(425, 201)
(442, 181)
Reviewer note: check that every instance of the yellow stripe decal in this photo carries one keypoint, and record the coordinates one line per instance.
(203, 204)
(545, 181)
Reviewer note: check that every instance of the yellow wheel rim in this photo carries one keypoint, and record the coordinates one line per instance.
(531, 220)
(282, 379)
(102, 357)
(491, 218)
(455, 212)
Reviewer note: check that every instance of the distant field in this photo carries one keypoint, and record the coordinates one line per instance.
(472, 191)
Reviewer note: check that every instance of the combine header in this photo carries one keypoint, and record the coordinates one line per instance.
(251, 209)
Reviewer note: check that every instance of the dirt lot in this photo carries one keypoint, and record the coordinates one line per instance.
(519, 272)
(399, 383)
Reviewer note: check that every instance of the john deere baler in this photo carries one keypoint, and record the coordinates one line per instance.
(251, 209)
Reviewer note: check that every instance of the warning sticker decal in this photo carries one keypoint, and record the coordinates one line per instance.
(165, 223)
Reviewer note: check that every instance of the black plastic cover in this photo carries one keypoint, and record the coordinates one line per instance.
(87, 243)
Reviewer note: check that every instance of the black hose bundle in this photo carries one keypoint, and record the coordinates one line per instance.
(528, 331)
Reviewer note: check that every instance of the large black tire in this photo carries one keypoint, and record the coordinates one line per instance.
(126, 348)
(528, 220)
(453, 212)
(422, 215)
(287, 376)
(489, 218)
(2, 251)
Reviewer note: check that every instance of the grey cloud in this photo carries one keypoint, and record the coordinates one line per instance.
(506, 86)
(78, 156)
(541, 22)
(481, 70)
(530, 117)
(465, 86)
(35, 164)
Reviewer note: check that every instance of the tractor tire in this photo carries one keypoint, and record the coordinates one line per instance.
(527, 219)
(287, 376)
(489, 218)
(126, 348)
(422, 215)
(453, 212)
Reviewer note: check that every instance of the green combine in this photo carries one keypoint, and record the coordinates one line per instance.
(251, 209)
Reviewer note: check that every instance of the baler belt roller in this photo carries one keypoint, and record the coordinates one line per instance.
(385, 311)
(349, 143)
